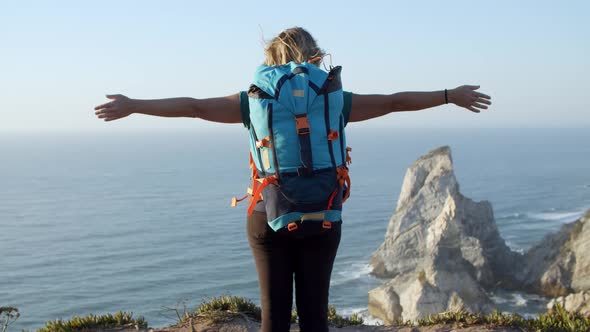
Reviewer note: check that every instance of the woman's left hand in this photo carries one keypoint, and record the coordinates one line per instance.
(466, 97)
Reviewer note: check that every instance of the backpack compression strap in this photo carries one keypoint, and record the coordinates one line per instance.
(255, 192)
(303, 132)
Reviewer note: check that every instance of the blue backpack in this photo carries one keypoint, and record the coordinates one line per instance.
(298, 152)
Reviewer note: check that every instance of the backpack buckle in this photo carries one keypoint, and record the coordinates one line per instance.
(302, 124)
(332, 135)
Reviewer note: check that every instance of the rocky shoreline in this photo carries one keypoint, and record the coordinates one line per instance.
(443, 252)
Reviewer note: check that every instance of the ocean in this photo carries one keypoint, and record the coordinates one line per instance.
(140, 221)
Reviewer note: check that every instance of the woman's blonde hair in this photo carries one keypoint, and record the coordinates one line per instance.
(294, 44)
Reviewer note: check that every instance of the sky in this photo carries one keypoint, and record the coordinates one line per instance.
(58, 59)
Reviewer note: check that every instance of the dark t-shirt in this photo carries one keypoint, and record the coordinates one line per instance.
(245, 107)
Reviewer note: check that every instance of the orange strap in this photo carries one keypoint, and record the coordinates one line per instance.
(344, 179)
(348, 159)
(235, 200)
(258, 186)
(255, 184)
(264, 142)
(331, 199)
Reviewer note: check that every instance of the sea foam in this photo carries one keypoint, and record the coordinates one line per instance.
(563, 216)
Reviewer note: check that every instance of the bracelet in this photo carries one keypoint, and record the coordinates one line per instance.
(446, 98)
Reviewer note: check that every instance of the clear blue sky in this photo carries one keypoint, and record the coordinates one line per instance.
(59, 58)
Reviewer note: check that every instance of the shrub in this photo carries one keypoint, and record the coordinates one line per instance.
(8, 315)
(224, 308)
(119, 319)
(556, 320)
(334, 319)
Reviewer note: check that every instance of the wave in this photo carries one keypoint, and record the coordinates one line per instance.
(518, 302)
(514, 299)
(349, 311)
(352, 272)
(514, 247)
(356, 270)
(515, 215)
(497, 299)
(368, 319)
(562, 216)
(549, 215)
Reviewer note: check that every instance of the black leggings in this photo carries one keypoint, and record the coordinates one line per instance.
(307, 252)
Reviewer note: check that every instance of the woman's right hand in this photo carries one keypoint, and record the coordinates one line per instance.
(119, 107)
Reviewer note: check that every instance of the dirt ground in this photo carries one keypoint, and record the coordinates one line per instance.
(246, 325)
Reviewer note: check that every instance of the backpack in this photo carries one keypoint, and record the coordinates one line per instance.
(298, 153)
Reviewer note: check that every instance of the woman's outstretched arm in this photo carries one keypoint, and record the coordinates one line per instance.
(221, 109)
(365, 107)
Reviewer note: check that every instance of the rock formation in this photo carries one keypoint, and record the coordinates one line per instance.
(560, 263)
(441, 248)
(579, 302)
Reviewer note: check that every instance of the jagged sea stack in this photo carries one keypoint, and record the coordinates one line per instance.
(560, 263)
(441, 249)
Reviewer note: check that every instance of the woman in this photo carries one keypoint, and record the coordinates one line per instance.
(308, 256)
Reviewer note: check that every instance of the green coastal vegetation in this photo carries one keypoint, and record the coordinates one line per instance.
(226, 308)
(9, 315)
(94, 322)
